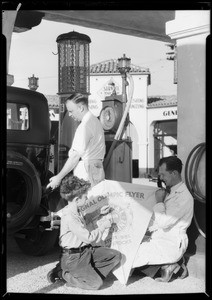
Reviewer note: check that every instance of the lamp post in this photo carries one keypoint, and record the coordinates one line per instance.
(124, 67)
(33, 83)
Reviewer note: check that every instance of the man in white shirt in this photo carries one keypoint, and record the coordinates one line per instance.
(86, 154)
(88, 147)
(166, 239)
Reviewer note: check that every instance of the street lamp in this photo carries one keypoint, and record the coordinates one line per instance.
(33, 83)
(124, 67)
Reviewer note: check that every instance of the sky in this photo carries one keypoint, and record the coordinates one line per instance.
(35, 52)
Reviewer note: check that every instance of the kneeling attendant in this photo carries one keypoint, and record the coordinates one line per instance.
(83, 265)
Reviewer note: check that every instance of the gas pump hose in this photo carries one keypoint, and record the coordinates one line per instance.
(121, 127)
(191, 180)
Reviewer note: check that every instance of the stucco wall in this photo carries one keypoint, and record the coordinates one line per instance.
(191, 93)
(190, 30)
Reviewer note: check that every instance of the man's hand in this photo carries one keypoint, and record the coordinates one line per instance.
(55, 223)
(106, 224)
(105, 209)
(160, 195)
(54, 182)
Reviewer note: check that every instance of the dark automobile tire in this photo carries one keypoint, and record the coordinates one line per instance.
(36, 242)
(23, 191)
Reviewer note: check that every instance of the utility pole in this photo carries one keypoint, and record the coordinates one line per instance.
(172, 55)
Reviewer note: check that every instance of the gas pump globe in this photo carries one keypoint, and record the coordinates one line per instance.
(73, 77)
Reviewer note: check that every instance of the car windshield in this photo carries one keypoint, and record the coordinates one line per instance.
(17, 116)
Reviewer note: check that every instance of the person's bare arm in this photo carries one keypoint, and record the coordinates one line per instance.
(68, 167)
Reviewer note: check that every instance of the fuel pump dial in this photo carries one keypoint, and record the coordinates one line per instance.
(111, 113)
(108, 118)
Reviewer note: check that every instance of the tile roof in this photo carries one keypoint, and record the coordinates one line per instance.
(110, 66)
(161, 100)
(152, 101)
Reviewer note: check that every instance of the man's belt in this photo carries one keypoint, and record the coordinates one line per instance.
(75, 250)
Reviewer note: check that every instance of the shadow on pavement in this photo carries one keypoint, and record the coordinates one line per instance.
(16, 262)
(50, 288)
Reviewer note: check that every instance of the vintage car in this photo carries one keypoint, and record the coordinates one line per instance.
(29, 205)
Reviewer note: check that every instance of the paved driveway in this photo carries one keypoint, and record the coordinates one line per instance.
(27, 274)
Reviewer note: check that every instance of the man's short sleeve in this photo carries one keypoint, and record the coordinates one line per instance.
(81, 139)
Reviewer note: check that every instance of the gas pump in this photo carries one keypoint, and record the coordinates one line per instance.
(73, 76)
(114, 117)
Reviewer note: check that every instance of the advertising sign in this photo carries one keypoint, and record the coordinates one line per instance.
(130, 212)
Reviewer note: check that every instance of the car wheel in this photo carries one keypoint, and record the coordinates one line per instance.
(23, 192)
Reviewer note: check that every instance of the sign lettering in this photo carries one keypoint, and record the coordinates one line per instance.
(130, 213)
(170, 113)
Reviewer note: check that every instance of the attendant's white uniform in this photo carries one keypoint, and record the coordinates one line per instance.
(89, 142)
(168, 240)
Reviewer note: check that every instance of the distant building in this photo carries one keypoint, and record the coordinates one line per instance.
(161, 128)
(153, 119)
(53, 101)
